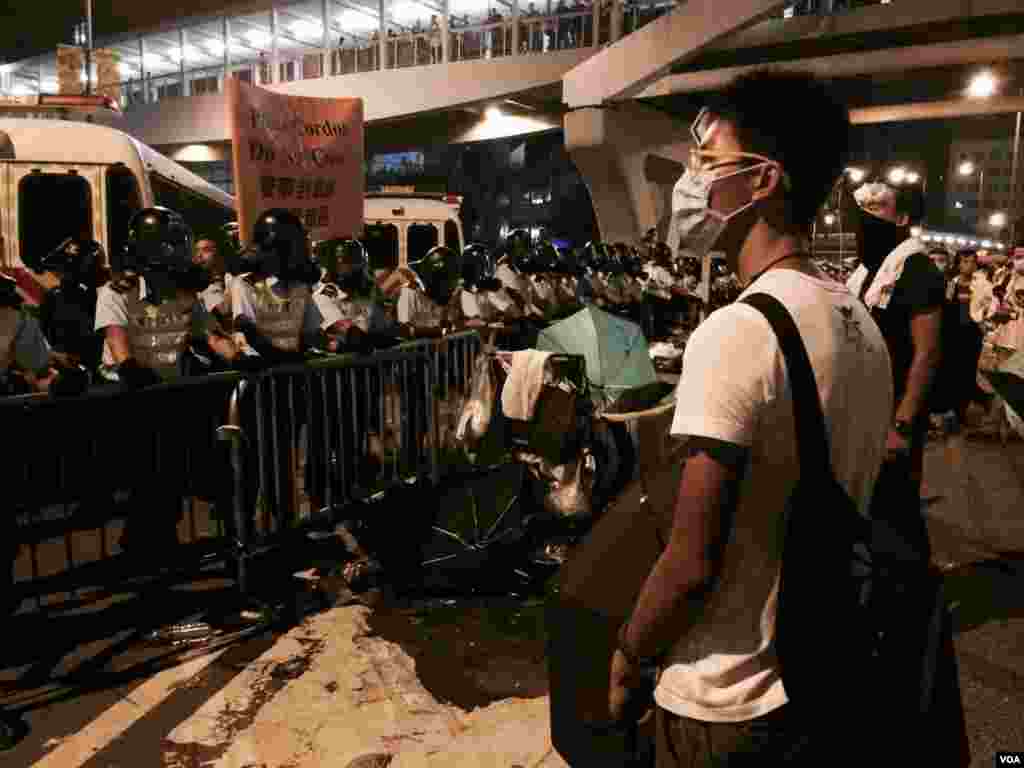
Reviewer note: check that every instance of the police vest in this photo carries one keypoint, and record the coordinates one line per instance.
(158, 333)
(279, 316)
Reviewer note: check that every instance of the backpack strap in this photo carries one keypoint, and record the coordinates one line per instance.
(811, 437)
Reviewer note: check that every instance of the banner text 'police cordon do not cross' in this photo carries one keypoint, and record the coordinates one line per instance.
(298, 153)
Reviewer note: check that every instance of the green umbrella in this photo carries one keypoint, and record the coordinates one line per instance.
(615, 350)
(1008, 382)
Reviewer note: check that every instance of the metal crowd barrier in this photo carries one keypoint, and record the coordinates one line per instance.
(241, 462)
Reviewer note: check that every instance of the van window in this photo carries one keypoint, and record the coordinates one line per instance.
(124, 200)
(451, 236)
(205, 216)
(51, 208)
(421, 238)
(381, 241)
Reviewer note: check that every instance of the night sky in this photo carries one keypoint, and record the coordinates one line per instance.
(29, 27)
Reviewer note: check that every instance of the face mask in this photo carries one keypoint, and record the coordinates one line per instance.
(695, 225)
(1018, 266)
(878, 238)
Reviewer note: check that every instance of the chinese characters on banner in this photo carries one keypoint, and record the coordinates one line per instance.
(298, 153)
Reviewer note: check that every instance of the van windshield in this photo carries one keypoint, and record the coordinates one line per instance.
(422, 237)
(381, 241)
(51, 208)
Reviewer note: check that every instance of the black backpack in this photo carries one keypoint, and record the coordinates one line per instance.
(846, 582)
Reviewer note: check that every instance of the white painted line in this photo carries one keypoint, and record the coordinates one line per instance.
(79, 748)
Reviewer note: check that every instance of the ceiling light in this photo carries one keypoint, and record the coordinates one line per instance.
(354, 21)
(21, 90)
(307, 28)
(216, 47)
(856, 175)
(966, 168)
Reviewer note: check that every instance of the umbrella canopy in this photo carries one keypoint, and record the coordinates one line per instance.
(1008, 382)
(616, 351)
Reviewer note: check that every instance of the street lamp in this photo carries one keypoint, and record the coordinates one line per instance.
(967, 168)
(983, 85)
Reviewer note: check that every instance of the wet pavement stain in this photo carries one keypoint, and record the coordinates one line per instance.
(230, 722)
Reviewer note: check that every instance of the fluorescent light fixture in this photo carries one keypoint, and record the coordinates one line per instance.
(258, 37)
(307, 28)
(354, 21)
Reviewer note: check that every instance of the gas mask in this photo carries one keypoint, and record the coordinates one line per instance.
(695, 226)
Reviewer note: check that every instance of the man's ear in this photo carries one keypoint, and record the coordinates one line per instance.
(766, 181)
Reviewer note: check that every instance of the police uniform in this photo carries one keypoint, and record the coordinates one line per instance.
(157, 333)
(276, 309)
(417, 309)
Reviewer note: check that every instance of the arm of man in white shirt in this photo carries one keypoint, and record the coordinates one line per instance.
(726, 382)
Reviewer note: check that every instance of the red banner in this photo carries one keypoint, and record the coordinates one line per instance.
(298, 153)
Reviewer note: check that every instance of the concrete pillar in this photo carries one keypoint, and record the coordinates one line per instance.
(630, 159)
(182, 42)
(142, 71)
(275, 64)
(327, 41)
(446, 54)
(382, 51)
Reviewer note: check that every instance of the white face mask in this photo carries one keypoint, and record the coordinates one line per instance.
(695, 226)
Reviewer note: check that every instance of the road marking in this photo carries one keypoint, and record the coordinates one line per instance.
(77, 749)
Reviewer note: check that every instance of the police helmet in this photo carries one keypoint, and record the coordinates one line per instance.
(544, 257)
(76, 258)
(477, 265)
(158, 239)
(280, 241)
(231, 236)
(440, 270)
(345, 260)
(517, 247)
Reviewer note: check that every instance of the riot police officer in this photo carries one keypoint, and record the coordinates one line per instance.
(146, 311)
(345, 315)
(67, 314)
(512, 267)
(269, 298)
(543, 263)
(423, 306)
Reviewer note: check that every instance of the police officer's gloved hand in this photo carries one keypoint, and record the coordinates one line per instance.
(136, 376)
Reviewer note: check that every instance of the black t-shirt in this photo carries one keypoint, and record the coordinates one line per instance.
(920, 288)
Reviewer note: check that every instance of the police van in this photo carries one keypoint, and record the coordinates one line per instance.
(61, 178)
(402, 225)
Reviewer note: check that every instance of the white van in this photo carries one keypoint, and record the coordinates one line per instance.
(402, 226)
(61, 178)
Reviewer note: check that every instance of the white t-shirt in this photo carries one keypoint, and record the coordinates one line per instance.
(735, 388)
(112, 310)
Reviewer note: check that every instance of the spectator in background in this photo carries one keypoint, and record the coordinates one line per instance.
(970, 292)
(904, 292)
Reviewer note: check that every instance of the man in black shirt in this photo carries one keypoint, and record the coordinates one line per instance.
(905, 293)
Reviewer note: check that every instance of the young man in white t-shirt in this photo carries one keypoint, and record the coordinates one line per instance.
(707, 610)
